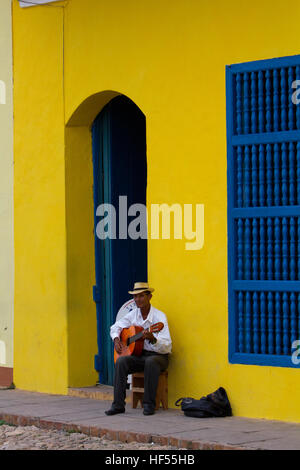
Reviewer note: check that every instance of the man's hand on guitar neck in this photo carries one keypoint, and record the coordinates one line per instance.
(149, 336)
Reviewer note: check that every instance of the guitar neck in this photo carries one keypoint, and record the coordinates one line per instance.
(136, 337)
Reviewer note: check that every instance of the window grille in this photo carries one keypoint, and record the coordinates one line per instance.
(263, 142)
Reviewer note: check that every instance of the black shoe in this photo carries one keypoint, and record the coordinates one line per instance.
(148, 410)
(114, 411)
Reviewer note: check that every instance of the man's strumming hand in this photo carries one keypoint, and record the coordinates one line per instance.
(118, 345)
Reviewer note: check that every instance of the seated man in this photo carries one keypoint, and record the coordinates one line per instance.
(154, 358)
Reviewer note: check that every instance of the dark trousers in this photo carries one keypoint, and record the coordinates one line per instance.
(151, 363)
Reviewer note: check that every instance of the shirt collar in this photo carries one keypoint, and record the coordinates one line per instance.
(150, 315)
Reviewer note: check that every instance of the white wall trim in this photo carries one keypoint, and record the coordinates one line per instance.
(32, 3)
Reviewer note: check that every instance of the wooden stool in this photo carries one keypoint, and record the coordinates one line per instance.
(137, 391)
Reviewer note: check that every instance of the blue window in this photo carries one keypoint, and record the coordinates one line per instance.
(263, 145)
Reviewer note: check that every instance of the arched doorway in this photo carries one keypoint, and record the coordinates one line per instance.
(120, 170)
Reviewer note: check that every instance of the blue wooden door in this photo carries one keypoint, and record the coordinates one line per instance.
(120, 169)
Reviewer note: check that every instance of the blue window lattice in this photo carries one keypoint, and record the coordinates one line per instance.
(263, 141)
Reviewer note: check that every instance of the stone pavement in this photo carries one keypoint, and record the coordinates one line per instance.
(166, 427)
(33, 438)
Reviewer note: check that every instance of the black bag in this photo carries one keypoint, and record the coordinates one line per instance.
(215, 404)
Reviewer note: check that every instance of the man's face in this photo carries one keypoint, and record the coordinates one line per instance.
(142, 300)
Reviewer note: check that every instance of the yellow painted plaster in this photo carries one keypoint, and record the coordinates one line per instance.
(40, 223)
(82, 337)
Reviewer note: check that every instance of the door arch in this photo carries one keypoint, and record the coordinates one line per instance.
(120, 169)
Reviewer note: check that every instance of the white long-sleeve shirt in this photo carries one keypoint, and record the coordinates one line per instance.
(164, 342)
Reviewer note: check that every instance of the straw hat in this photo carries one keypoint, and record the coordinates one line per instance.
(140, 287)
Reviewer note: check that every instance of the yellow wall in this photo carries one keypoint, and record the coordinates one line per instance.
(6, 187)
(82, 339)
(169, 58)
(40, 226)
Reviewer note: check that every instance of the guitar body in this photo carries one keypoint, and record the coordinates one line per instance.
(135, 348)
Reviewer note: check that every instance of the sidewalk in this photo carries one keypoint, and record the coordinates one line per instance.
(168, 427)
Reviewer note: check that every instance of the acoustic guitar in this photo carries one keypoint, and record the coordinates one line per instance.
(132, 339)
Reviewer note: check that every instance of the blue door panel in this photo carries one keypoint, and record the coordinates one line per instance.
(120, 169)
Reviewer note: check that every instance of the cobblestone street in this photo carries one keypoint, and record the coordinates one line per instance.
(33, 438)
